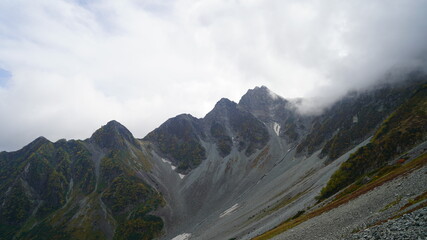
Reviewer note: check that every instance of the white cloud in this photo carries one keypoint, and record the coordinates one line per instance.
(77, 64)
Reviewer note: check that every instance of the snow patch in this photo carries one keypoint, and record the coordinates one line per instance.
(70, 188)
(27, 168)
(172, 167)
(229, 211)
(166, 161)
(276, 128)
(169, 162)
(184, 236)
(355, 119)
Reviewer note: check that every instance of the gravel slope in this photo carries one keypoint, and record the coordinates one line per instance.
(409, 226)
(376, 205)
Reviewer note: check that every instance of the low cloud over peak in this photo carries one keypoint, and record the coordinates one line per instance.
(74, 65)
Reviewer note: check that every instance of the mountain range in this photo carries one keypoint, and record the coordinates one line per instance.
(248, 170)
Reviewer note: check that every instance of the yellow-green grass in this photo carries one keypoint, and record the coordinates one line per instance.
(417, 199)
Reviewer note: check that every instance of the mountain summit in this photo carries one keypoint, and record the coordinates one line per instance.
(261, 99)
(113, 135)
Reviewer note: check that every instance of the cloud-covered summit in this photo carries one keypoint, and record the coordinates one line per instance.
(74, 65)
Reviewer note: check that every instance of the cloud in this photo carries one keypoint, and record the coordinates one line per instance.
(74, 65)
(4, 77)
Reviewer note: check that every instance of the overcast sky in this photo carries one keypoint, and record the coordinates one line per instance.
(69, 66)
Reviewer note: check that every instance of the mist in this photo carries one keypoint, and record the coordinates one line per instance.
(68, 67)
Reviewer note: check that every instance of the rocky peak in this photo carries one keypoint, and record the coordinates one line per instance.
(224, 105)
(184, 117)
(223, 108)
(228, 119)
(260, 97)
(264, 104)
(225, 102)
(178, 140)
(183, 125)
(113, 135)
(38, 142)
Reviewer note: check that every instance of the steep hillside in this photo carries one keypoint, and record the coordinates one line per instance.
(401, 131)
(78, 189)
(349, 121)
(398, 148)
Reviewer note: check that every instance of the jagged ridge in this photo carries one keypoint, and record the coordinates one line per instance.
(109, 185)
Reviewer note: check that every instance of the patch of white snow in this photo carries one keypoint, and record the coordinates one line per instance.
(355, 119)
(169, 162)
(276, 128)
(229, 211)
(184, 236)
(166, 161)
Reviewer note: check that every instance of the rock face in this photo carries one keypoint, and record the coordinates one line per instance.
(276, 111)
(265, 104)
(180, 140)
(183, 139)
(238, 172)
